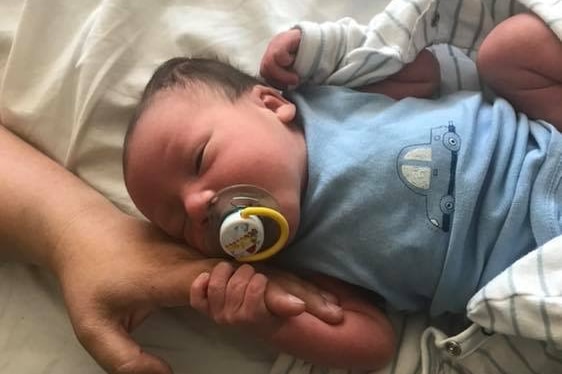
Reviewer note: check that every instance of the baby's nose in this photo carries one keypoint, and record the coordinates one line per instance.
(197, 206)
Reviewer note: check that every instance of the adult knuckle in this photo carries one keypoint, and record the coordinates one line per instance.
(86, 333)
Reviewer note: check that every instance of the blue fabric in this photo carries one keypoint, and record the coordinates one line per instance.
(422, 201)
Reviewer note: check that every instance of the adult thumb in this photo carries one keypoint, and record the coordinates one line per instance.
(116, 351)
(281, 303)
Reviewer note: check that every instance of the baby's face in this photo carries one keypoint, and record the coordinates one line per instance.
(185, 149)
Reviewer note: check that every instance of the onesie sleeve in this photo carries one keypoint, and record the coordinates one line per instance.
(325, 50)
(350, 54)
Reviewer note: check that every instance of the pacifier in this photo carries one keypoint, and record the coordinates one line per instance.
(245, 223)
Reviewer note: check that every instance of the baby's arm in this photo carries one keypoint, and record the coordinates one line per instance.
(420, 78)
(364, 340)
(277, 61)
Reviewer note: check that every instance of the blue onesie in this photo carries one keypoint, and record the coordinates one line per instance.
(422, 201)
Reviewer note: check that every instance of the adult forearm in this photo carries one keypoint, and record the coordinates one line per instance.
(39, 199)
(113, 269)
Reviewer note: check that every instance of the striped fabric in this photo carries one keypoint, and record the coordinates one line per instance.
(350, 54)
(526, 299)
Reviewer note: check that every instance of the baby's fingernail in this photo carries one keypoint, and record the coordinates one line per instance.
(334, 307)
(329, 297)
(295, 300)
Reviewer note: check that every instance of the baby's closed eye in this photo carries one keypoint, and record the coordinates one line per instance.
(200, 158)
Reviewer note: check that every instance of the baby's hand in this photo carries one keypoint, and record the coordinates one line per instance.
(278, 59)
(235, 297)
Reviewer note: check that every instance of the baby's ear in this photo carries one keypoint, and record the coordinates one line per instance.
(273, 100)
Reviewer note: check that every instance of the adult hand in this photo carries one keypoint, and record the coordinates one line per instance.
(277, 62)
(113, 269)
(112, 281)
(113, 275)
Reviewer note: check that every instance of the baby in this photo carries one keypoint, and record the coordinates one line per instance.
(421, 201)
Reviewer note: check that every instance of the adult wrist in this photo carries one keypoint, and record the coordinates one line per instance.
(80, 230)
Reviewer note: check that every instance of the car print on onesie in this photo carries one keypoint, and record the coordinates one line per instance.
(428, 169)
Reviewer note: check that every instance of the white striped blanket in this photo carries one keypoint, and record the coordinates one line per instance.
(347, 53)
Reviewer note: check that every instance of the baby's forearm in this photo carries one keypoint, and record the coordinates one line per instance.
(361, 341)
(420, 78)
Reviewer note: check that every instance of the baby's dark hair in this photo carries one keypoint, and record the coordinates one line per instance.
(191, 73)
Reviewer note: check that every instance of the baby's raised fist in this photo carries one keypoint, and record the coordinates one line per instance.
(277, 62)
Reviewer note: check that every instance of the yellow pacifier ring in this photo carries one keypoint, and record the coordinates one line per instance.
(283, 232)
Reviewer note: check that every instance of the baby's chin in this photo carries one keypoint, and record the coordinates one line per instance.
(205, 250)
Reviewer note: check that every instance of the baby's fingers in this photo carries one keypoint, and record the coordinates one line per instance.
(216, 290)
(244, 301)
(276, 69)
(279, 77)
(287, 42)
(198, 293)
(283, 58)
(236, 289)
(277, 62)
(254, 313)
(254, 300)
